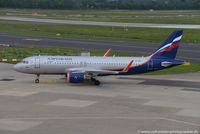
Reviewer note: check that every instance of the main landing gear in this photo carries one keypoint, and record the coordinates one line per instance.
(37, 80)
(96, 82)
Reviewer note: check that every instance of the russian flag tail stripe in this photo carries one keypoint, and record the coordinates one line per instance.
(169, 47)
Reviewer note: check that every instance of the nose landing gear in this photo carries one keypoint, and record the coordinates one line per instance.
(37, 80)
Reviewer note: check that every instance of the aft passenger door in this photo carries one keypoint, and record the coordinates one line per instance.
(150, 65)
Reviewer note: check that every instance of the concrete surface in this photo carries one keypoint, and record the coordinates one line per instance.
(118, 106)
(93, 23)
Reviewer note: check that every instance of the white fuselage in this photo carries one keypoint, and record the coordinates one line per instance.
(61, 64)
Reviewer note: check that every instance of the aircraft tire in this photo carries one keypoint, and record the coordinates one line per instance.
(37, 81)
(97, 83)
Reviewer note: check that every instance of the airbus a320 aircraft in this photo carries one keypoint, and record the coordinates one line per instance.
(80, 68)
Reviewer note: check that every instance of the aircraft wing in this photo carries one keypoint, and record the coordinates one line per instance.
(91, 71)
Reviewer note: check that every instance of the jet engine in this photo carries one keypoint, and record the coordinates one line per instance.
(74, 77)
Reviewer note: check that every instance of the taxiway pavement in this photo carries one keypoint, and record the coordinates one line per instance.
(93, 23)
(188, 52)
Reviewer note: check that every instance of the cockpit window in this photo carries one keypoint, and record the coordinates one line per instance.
(24, 62)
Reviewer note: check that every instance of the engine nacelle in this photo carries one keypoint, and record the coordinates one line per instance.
(74, 77)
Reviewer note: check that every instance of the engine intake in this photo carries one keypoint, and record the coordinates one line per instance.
(74, 77)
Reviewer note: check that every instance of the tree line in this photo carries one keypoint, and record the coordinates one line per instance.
(101, 4)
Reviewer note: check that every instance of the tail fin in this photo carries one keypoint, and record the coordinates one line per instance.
(169, 47)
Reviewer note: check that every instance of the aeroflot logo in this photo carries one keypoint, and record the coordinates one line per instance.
(59, 58)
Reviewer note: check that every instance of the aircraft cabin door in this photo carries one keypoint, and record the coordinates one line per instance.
(37, 62)
(150, 65)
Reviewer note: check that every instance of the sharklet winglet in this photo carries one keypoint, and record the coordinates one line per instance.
(126, 69)
(107, 52)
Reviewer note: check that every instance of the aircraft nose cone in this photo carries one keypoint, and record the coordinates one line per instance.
(16, 67)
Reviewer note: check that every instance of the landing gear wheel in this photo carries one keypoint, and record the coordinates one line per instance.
(97, 83)
(37, 81)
